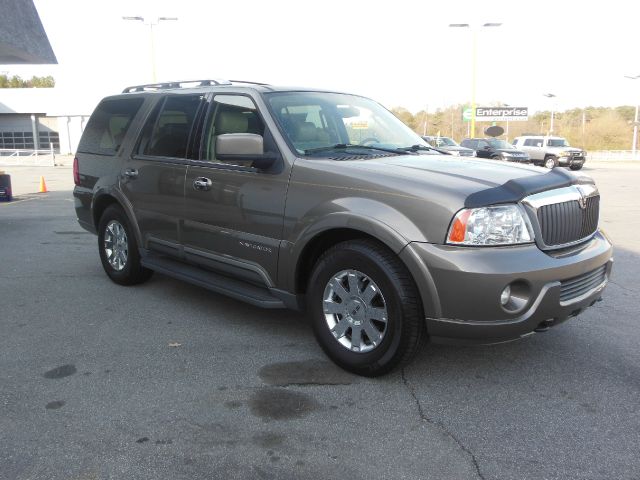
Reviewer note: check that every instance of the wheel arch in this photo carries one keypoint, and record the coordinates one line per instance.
(103, 199)
(326, 238)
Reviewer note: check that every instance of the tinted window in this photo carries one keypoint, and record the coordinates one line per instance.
(530, 142)
(557, 142)
(166, 133)
(108, 125)
(230, 114)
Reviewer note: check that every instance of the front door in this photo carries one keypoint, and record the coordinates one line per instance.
(484, 150)
(234, 212)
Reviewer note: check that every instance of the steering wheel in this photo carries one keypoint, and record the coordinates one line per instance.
(369, 140)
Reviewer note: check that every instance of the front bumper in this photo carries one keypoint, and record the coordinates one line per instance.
(467, 283)
(568, 161)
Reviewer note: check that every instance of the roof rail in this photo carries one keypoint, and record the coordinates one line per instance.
(179, 84)
(250, 83)
(183, 84)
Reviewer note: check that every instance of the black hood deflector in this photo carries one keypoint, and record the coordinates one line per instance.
(515, 190)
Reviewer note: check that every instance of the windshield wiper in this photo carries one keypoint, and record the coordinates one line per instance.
(415, 148)
(344, 146)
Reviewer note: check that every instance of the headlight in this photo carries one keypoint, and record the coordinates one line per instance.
(496, 225)
(564, 154)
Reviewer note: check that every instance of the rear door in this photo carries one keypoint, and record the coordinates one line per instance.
(153, 177)
(234, 212)
(100, 151)
(533, 146)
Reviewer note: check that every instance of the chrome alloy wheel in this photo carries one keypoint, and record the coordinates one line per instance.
(116, 246)
(355, 311)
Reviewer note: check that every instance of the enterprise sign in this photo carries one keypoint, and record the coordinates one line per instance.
(497, 114)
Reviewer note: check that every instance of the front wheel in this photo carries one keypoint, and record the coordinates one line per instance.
(119, 249)
(366, 311)
(550, 162)
(576, 167)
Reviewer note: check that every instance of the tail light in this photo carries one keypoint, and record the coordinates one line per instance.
(76, 171)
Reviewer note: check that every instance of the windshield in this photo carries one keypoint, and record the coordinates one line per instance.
(557, 142)
(315, 122)
(445, 142)
(500, 144)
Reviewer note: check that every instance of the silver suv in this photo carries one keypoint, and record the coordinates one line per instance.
(327, 203)
(551, 151)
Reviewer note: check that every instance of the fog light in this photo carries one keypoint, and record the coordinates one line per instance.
(505, 296)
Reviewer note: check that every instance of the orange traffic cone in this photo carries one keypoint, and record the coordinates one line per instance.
(43, 186)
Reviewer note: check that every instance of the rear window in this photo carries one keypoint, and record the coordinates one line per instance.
(108, 125)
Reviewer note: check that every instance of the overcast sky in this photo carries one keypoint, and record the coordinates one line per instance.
(397, 52)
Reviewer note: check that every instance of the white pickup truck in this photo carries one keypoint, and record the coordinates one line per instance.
(551, 151)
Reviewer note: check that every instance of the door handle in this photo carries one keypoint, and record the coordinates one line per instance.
(131, 173)
(202, 183)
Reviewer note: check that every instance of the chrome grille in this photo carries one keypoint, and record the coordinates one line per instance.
(577, 286)
(566, 222)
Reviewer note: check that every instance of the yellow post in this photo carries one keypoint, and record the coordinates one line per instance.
(474, 49)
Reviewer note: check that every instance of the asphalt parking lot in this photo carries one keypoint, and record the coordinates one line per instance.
(169, 381)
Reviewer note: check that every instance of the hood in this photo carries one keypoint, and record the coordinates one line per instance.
(455, 148)
(471, 182)
(510, 151)
(565, 149)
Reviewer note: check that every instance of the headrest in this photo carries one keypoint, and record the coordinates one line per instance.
(231, 122)
(306, 132)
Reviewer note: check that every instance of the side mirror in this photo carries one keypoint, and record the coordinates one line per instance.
(244, 147)
(487, 147)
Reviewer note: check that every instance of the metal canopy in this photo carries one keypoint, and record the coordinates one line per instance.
(22, 36)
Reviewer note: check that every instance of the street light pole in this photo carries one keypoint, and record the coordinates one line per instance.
(151, 22)
(635, 121)
(550, 95)
(474, 54)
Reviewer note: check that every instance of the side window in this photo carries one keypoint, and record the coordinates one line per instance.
(531, 142)
(167, 131)
(231, 114)
(482, 144)
(108, 125)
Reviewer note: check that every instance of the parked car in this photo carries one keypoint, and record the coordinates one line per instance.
(496, 149)
(326, 202)
(551, 151)
(449, 145)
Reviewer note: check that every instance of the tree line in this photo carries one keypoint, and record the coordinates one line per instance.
(592, 128)
(16, 81)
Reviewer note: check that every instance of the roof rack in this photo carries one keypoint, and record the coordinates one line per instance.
(250, 83)
(184, 84)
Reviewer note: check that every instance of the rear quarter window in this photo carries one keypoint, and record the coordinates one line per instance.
(108, 126)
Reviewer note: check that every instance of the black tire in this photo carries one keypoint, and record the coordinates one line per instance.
(550, 162)
(576, 167)
(405, 325)
(132, 272)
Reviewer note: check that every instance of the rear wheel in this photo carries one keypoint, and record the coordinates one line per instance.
(119, 249)
(576, 167)
(366, 311)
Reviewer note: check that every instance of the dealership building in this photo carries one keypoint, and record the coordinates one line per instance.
(35, 118)
(42, 118)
